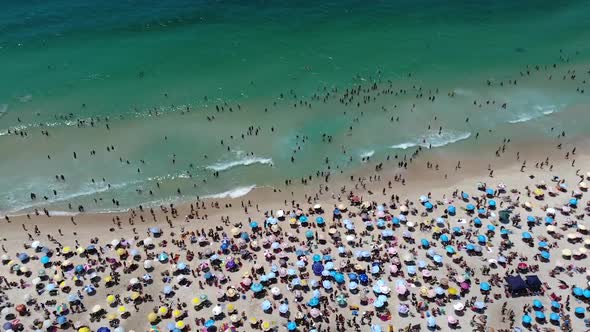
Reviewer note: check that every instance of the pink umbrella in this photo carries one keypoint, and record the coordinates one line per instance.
(426, 273)
(393, 269)
(246, 282)
(401, 289)
(452, 320)
(315, 313)
(464, 286)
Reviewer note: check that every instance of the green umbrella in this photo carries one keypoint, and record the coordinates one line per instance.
(341, 299)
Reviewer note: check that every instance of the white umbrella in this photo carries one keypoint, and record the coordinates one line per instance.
(275, 291)
(216, 310)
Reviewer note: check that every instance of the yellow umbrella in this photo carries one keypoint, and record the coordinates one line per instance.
(423, 291)
(566, 252)
(231, 292)
(539, 192)
(196, 301)
(80, 250)
(112, 316)
(265, 326)
(121, 252)
(84, 329)
(176, 313)
(134, 296)
(162, 310)
(108, 279)
(122, 309)
(63, 284)
(110, 299)
(58, 277)
(180, 325)
(253, 321)
(66, 250)
(230, 307)
(453, 291)
(152, 317)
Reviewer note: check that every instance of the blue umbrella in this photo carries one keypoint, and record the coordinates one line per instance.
(545, 254)
(549, 220)
(573, 202)
(89, 289)
(327, 284)
(309, 234)
(283, 308)
(265, 305)
(490, 191)
(163, 257)
(482, 238)
(319, 220)
(450, 249)
(587, 293)
(380, 223)
(171, 326)
(155, 230)
(339, 277)
(363, 278)
(23, 256)
(395, 221)
(527, 235)
(378, 304)
(444, 238)
(537, 304)
(481, 211)
(491, 228)
(209, 323)
(526, 319)
(314, 301)
(103, 329)
(539, 315)
(428, 206)
(61, 320)
(303, 219)
(291, 326)
(555, 304)
(254, 224)
(465, 195)
(470, 247)
(477, 221)
(579, 310)
(376, 328)
(452, 209)
(317, 258)
(543, 244)
(492, 203)
(578, 291)
(470, 207)
(531, 219)
(484, 286)
(317, 268)
(431, 321)
(256, 287)
(45, 260)
(554, 316)
(457, 230)
(167, 289)
(425, 243)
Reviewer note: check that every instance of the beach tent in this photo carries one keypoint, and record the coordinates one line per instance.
(516, 285)
(533, 282)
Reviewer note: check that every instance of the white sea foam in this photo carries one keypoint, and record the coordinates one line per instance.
(433, 139)
(233, 193)
(3, 109)
(539, 112)
(367, 154)
(246, 161)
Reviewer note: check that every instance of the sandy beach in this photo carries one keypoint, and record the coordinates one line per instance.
(406, 248)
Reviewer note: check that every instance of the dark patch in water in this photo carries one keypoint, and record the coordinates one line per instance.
(520, 50)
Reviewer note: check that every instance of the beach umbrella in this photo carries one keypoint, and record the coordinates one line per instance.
(554, 317)
(545, 255)
(555, 305)
(459, 306)
(314, 301)
(403, 309)
(315, 313)
(291, 326)
(256, 287)
(452, 209)
(491, 228)
(437, 258)
(61, 320)
(45, 260)
(580, 310)
(444, 238)
(309, 234)
(283, 308)
(484, 286)
(103, 329)
(527, 236)
(479, 305)
(539, 315)
(477, 221)
(526, 319)
(577, 291)
(450, 250)
(266, 305)
(586, 293)
(425, 243)
(537, 304)
(482, 238)
(470, 207)
(431, 322)
(428, 206)
(327, 284)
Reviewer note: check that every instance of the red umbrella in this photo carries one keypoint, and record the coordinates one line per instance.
(21, 308)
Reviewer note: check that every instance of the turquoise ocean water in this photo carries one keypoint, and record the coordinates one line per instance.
(174, 78)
